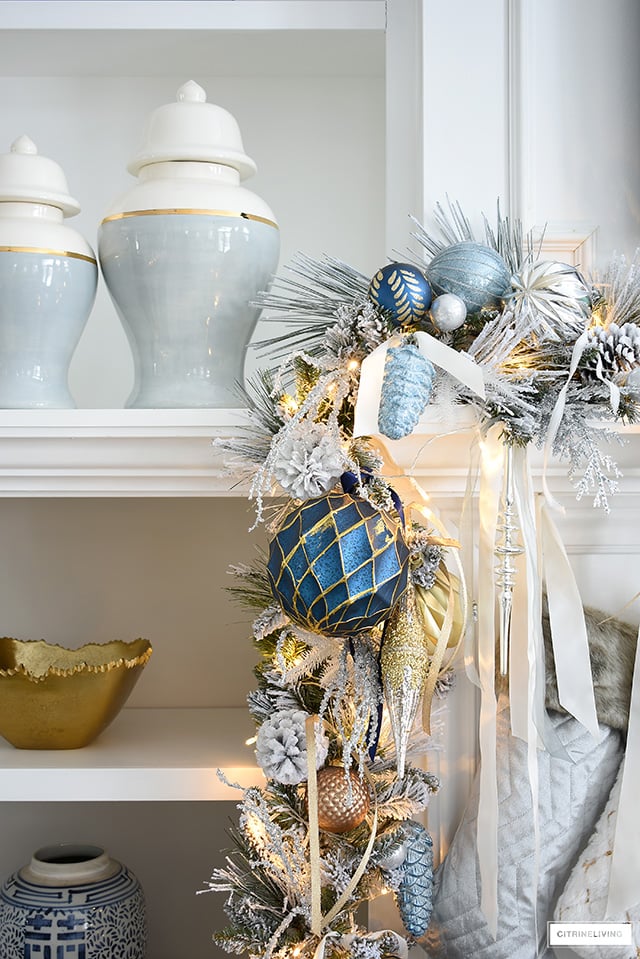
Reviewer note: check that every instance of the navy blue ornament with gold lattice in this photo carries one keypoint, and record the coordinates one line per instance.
(415, 893)
(474, 272)
(403, 291)
(338, 565)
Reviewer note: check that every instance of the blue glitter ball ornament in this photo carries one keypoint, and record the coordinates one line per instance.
(406, 390)
(415, 893)
(338, 565)
(472, 271)
(403, 291)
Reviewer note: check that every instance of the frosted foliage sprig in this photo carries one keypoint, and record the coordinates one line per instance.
(271, 619)
(353, 695)
(338, 866)
(274, 694)
(282, 851)
(619, 289)
(318, 649)
(591, 471)
(403, 798)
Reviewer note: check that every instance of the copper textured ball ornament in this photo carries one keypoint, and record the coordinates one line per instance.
(448, 312)
(340, 808)
(474, 272)
(337, 564)
(403, 291)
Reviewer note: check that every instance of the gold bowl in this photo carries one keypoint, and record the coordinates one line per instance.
(57, 698)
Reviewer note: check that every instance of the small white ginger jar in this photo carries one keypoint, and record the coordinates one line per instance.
(185, 252)
(48, 279)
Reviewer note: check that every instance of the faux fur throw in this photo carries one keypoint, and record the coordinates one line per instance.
(612, 646)
(584, 898)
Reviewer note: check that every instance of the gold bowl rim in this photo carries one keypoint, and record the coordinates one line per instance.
(82, 666)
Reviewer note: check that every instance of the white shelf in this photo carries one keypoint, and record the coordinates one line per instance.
(110, 453)
(223, 37)
(145, 754)
(115, 452)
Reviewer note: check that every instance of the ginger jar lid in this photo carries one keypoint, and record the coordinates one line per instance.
(192, 129)
(27, 177)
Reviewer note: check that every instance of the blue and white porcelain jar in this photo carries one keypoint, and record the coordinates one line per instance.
(72, 901)
(48, 279)
(185, 252)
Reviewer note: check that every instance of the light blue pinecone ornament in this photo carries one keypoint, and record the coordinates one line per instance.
(415, 893)
(406, 390)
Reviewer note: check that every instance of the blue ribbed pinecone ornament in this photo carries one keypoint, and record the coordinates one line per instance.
(406, 390)
(415, 894)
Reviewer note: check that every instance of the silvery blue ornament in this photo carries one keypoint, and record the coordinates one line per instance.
(474, 272)
(403, 291)
(406, 390)
(448, 312)
(415, 893)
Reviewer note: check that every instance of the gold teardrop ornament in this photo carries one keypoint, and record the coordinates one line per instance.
(404, 663)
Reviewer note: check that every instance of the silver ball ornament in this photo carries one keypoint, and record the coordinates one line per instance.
(395, 859)
(448, 312)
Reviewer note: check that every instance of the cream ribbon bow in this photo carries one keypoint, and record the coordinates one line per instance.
(458, 364)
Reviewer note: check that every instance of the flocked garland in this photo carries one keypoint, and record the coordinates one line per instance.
(556, 351)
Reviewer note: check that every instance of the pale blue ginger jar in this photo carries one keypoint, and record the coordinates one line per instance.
(48, 280)
(184, 254)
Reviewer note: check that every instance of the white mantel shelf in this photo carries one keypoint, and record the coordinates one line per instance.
(144, 755)
(110, 453)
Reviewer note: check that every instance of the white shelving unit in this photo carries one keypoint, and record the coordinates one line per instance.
(125, 520)
(118, 522)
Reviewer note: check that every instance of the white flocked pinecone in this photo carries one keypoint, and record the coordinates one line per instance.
(612, 349)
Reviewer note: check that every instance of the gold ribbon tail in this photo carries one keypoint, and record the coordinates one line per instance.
(314, 830)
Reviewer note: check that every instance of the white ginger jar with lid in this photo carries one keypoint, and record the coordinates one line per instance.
(185, 252)
(48, 280)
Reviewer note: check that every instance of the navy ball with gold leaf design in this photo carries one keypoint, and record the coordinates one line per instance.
(338, 565)
(403, 291)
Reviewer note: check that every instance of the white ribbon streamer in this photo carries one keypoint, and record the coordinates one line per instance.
(624, 879)
(558, 412)
(458, 364)
(568, 629)
(487, 829)
(530, 590)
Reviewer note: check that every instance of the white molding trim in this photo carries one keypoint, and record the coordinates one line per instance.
(577, 247)
(172, 453)
(520, 80)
